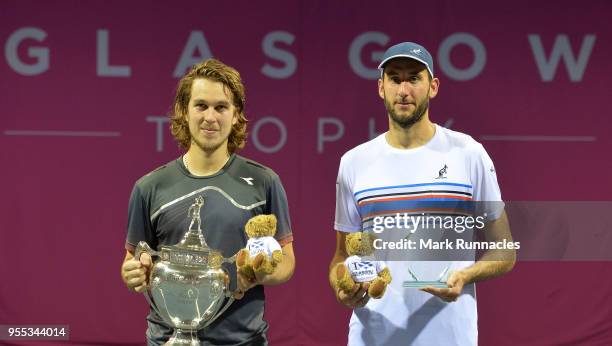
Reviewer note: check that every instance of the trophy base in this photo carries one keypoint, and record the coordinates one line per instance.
(183, 337)
(421, 284)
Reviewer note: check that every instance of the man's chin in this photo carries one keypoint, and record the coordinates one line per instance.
(405, 122)
(404, 116)
(400, 118)
(209, 147)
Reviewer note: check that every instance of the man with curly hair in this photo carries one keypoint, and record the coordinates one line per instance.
(208, 121)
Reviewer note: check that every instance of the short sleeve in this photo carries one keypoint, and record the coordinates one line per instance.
(486, 188)
(139, 226)
(277, 204)
(347, 217)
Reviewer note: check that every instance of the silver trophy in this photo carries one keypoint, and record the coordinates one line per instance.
(187, 286)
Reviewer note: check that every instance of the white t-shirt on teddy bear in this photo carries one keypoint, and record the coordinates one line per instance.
(267, 245)
(364, 269)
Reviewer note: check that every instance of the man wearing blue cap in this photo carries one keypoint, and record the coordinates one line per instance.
(413, 163)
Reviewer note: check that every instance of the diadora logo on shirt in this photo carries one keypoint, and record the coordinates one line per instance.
(416, 51)
(442, 172)
(248, 180)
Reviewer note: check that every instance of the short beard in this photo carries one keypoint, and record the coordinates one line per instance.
(207, 148)
(407, 122)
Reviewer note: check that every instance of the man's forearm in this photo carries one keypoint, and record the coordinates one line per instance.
(492, 264)
(282, 273)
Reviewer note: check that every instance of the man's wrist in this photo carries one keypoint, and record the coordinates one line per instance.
(465, 276)
(265, 279)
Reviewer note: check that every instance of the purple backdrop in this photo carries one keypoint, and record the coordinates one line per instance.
(85, 86)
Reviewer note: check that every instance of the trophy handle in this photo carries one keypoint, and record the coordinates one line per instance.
(222, 310)
(228, 294)
(143, 247)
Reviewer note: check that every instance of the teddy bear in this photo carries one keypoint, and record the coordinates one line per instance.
(262, 253)
(361, 267)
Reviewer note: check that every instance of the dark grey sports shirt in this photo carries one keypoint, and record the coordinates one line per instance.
(240, 190)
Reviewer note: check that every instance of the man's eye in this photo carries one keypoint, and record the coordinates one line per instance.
(221, 108)
(200, 106)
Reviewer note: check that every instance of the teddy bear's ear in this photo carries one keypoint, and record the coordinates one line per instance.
(351, 240)
(369, 238)
(251, 226)
(272, 221)
(348, 239)
(261, 225)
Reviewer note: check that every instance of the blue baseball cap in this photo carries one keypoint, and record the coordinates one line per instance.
(408, 50)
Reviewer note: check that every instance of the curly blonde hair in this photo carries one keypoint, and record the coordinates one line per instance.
(217, 71)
